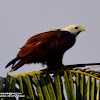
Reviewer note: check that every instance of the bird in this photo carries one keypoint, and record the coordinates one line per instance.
(47, 48)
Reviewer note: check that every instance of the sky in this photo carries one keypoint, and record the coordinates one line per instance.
(21, 19)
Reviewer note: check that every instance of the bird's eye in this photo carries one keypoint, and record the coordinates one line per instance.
(76, 27)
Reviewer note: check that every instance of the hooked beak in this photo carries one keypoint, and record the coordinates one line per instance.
(82, 28)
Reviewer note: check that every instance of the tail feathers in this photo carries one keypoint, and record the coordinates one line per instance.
(19, 64)
(13, 62)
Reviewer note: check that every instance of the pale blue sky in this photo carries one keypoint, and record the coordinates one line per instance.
(21, 19)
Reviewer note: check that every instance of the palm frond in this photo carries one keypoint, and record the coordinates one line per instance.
(76, 84)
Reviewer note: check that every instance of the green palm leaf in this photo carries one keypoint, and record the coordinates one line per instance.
(54, 85)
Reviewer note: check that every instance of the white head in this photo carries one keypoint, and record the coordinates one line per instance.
(74, 29)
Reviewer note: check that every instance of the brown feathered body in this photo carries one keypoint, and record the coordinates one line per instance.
(47, 48)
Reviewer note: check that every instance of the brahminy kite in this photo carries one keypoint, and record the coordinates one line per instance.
(47, 48)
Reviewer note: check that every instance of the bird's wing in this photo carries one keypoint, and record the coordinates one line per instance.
(42, 44)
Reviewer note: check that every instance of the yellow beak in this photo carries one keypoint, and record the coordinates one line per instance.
(82, 29)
